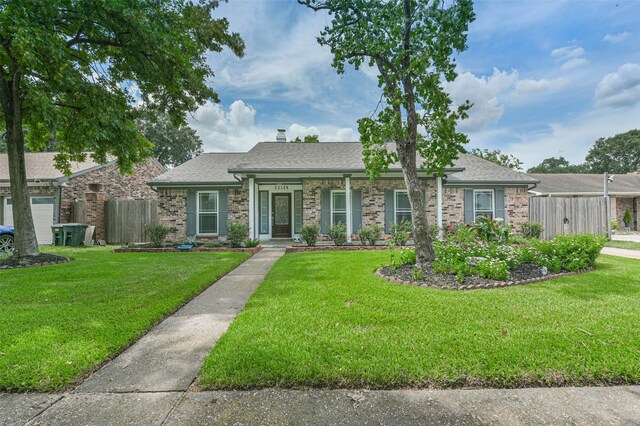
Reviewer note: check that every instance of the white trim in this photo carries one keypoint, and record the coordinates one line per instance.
(331, 210)
(439, 203)
(217, 213)
(395, 207)
(252, 213)
(277, 188)
(347, 192)
(493, 202)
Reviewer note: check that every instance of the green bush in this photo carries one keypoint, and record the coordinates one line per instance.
(400, 232)
(252, 243)
(491, 230)
(492, 269)
(309, 234)
(157, 233)
(570, 252)
(614, 224)
(531, 230)
(627, 218)
(369, 235)
(214, 244)
(238, 233)
(338, 233)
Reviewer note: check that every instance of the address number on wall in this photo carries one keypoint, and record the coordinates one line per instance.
(281, 187)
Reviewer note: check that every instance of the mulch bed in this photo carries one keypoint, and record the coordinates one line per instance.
(298, 249)
(527, 273)
(42, 259)
(194, 249)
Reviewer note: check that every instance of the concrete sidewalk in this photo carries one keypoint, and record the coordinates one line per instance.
(170, 355)
(537, 406)
(613, 251)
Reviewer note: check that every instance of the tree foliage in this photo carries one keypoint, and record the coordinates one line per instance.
(173, 144)
(617, 154)
(308, 139)
(558, 165)
(410, 43)
(496, 156)
(74, 69)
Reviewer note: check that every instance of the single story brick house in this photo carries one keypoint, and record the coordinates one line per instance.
(53, 194)
(624, 191)
(277, 187)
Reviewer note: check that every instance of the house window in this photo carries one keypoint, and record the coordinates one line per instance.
(338, 207)
(402, 207)
(207, 212)
(483, 205)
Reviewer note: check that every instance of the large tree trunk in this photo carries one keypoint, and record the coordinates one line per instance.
(25, 242)
(421, 236)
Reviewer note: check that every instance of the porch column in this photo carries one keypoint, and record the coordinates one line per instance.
(439, 204)
(252, 204)
(347, 188)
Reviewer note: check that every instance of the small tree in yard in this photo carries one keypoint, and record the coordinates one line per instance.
(70, 70)
(410, 42)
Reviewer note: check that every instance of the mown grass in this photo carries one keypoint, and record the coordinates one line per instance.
(629, 245)
(59, 322)
(324, 320)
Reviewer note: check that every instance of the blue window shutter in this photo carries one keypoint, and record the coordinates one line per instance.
(223, 211)
(191, 212)
(356, 209)
(468, 206)
(388, 210)
(325, 211)
(500, 204)
(297, 211)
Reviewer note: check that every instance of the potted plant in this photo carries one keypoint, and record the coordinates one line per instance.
(627, 218)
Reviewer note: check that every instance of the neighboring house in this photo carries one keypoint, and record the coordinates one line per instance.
(53, 195)
(277, 187)
(624, 191)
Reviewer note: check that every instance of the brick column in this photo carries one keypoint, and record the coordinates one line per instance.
(94, 212)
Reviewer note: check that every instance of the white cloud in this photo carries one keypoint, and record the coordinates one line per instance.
(617, 38)
(490, 94)
(620, 88)
(572, 57)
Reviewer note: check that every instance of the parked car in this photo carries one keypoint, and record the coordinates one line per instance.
(6, 239)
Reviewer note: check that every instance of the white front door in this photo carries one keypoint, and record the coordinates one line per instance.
(42, 212)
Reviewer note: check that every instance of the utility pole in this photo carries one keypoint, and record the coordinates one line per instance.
(608, 202)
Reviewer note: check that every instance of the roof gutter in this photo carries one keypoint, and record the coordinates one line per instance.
(267, 171)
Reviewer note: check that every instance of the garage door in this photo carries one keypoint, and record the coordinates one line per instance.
(42, 211)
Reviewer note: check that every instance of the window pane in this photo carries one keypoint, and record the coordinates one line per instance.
(484, 200)
(487, 215)
(42, 200)
(208, 223)
(209, 202)
(402, 201)
(264, 212)
(403, 216)
(339, 217)
(339, 201)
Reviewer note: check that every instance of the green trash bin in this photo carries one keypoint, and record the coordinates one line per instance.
(73, 234)
(57, 233)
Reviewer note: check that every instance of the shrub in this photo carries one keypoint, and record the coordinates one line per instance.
(338, 233)
(519, 240)
(614, 225)
(570, 252)
(434, 231)
(252, 243)
(407, 257)
(400, 232)
(531, 230)
(157, 233)
(492, 269)
(238, 233)
(627, 218)
(309, 234)
(369, 235)
(492, 230)
(213, 245)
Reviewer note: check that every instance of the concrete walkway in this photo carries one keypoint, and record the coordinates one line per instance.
(613, 251)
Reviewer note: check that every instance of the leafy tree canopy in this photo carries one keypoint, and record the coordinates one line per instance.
(173, 144)
(496, 156)
(307, 139)
(410, 43)
(617, 154)
(558, 165)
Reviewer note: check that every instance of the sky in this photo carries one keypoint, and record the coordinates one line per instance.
(547, 78)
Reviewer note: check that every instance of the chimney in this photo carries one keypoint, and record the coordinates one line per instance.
(281, 137)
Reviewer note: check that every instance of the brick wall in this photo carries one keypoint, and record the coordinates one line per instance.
(172, 212)
(517, 206)
(239, 203)
(618, 207)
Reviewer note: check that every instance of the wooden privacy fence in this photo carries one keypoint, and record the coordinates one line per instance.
(568, 216)
(124, 220)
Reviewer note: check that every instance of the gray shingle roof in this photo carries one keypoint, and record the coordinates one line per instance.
(586, 184)
(40, 165)
(205, 168)
(268, 157)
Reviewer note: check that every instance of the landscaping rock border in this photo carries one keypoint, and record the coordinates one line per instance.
(496, 284)
(195, 249)
(50, 260)
(299, 249)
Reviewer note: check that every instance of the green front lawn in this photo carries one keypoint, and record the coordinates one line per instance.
(57, 323)
(323, 319)
(629, 245)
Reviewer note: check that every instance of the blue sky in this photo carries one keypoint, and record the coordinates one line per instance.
(547, 78)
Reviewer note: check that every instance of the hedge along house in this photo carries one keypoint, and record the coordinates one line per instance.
(277, 187)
